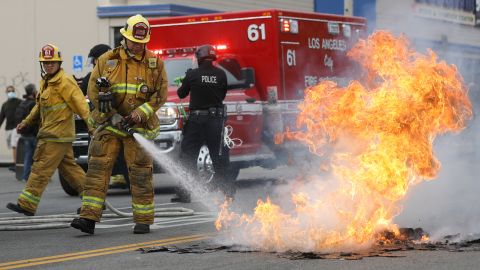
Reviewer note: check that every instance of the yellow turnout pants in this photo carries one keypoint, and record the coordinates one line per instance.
(47, 158)
(104, 149)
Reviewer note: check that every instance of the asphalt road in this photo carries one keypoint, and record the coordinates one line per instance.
(115, 247)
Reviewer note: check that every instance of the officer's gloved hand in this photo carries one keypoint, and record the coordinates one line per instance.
(178, 80)
(105, 102)
(133, 118)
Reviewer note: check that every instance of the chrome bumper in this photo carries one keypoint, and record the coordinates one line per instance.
(168, 141)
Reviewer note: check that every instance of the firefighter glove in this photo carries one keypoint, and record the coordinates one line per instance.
(133, 118)
(105, 102)
(103, 82)
(91, 131)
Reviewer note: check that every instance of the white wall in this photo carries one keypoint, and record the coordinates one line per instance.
(72, 25)
(230, 5)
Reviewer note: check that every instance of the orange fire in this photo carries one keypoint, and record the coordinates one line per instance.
(378, 138)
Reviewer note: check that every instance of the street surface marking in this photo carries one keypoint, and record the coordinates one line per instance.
(100, 252)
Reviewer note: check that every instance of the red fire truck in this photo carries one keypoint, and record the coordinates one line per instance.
(270, 57)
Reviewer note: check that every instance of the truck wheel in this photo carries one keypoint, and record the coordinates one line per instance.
(232, 173)
(204, 165)
(66, 186)
(19, 161)
(125, 174)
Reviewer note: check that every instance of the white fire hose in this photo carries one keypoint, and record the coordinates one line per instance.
(63, 220)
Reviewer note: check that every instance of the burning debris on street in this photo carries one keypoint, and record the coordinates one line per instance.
(377, 135)
(389, 246)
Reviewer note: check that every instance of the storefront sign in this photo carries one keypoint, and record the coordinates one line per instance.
(456, 11)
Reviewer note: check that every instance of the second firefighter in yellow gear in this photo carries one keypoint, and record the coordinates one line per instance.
(135, 81)
(58, 99)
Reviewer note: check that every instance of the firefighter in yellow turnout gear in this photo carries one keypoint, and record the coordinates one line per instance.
(129, 81)
(59, 98)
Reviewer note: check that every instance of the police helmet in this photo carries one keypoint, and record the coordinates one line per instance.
(206, 52)
(98, 50)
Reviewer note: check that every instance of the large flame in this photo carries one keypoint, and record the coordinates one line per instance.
(378, 136)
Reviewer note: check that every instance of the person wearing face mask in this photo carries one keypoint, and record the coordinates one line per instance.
(128, 85)
(8, 113)
(58, 100)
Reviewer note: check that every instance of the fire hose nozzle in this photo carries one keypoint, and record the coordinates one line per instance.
(129, 130)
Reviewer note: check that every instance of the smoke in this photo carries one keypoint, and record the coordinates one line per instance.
(449, 204)
(210, 199)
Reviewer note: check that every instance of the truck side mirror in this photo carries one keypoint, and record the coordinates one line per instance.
(247, 80)
(248, 76)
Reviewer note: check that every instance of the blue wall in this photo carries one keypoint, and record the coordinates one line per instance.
(150, 10)
(361, 8)
(328, 6)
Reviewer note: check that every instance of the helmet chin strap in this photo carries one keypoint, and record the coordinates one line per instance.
(129, 53)
(45, 75)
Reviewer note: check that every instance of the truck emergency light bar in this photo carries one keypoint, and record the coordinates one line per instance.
(186, 50)
(289, 26)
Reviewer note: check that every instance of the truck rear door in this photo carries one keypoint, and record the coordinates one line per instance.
(314, 49)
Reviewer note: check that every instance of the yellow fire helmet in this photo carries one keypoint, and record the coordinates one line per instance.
(137, 29)
(50, 53)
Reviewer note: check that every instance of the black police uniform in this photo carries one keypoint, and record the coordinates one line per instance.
(207, 86)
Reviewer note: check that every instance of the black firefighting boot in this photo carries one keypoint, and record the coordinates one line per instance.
(15, 207)
(141, 228)
(84, 224)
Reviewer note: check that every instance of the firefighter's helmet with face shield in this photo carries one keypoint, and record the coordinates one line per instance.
(50, 53)
(137, 29)
(205, 52)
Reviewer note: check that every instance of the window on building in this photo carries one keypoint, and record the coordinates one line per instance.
(117, 37)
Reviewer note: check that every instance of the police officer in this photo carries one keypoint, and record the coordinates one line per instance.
(128, 83)
(207, 87)
(95, 52)
(58, 100)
